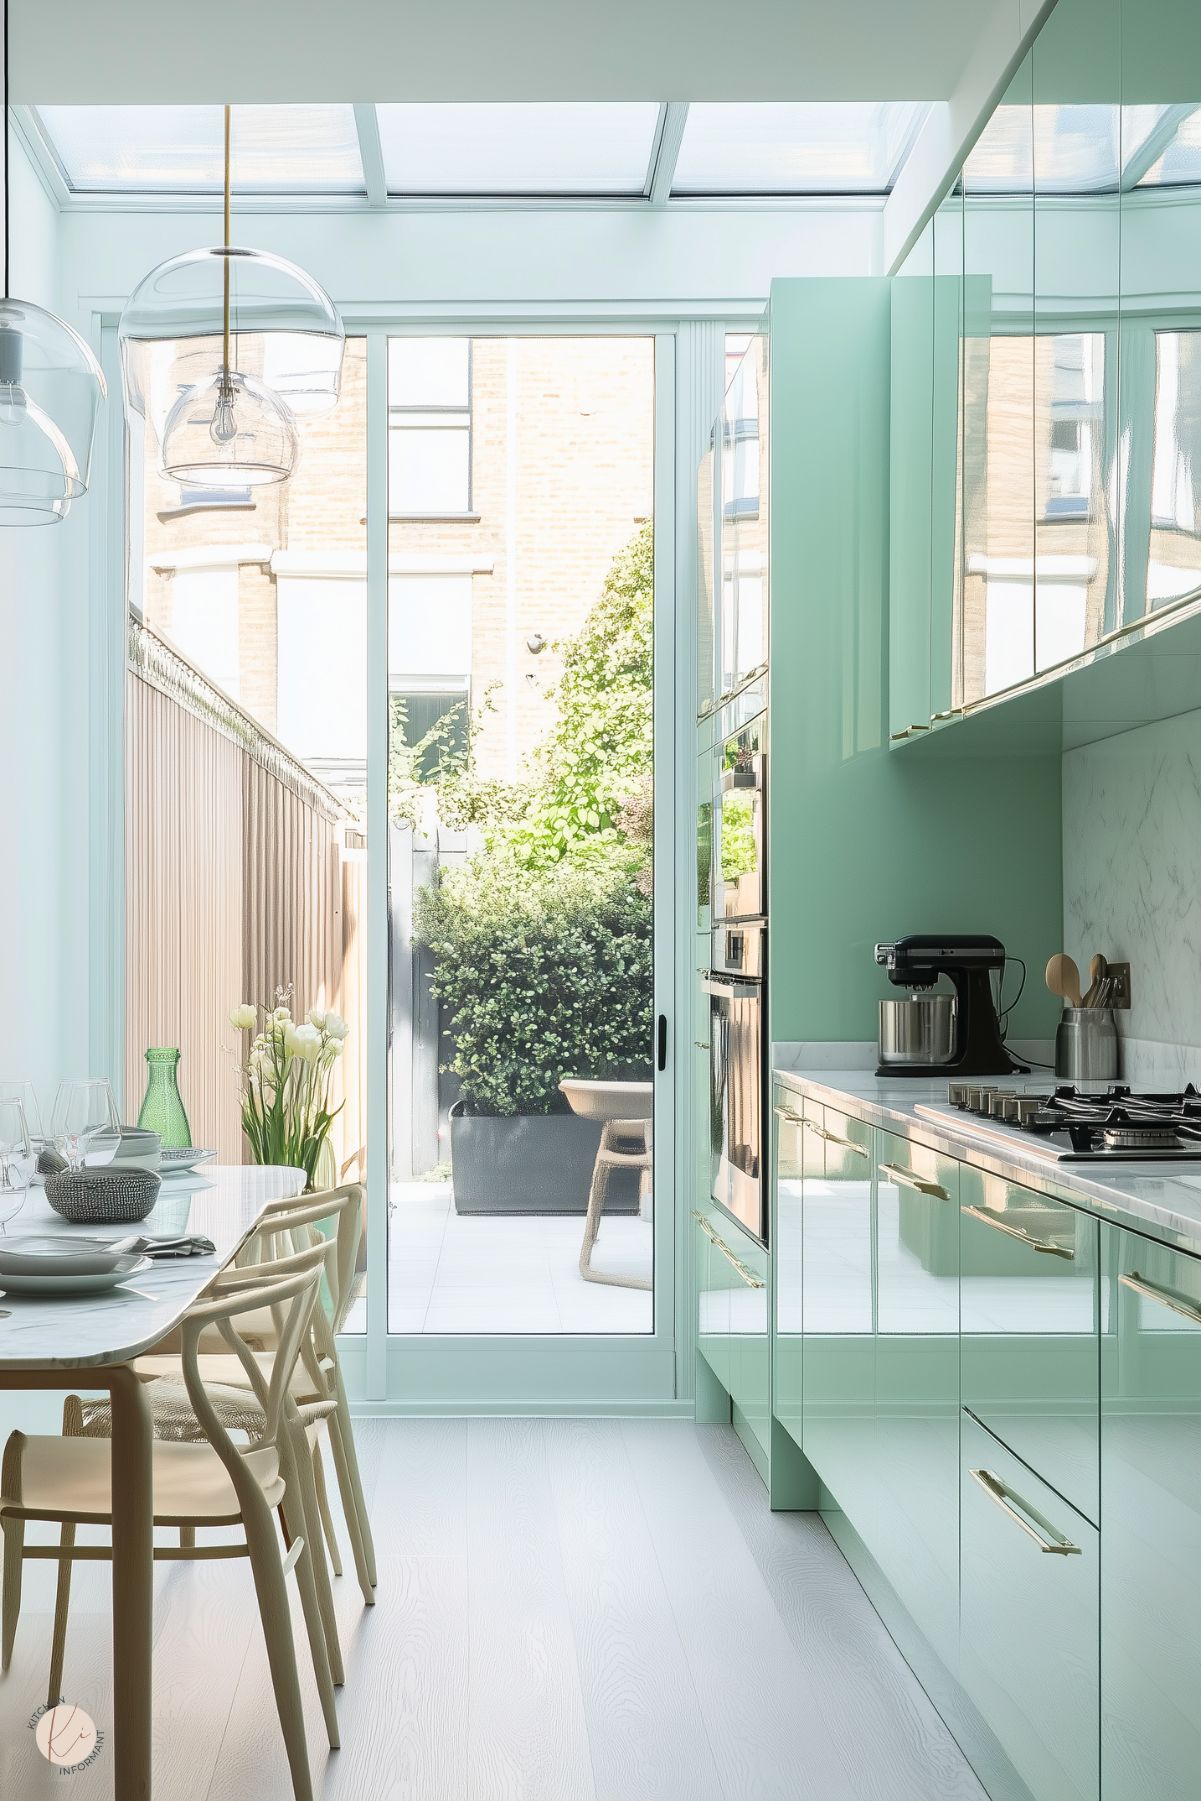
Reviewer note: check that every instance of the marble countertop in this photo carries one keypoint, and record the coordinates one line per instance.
(1163, 1200)
(221, 1202)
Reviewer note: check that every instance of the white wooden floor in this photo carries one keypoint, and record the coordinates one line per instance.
(568, 1611)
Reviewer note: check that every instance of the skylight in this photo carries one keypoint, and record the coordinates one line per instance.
(1093, 149)
(178, 149)
(1180, 163)
(600, 147)
(812, 147)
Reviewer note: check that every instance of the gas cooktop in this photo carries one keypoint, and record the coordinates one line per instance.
(1070, 1125)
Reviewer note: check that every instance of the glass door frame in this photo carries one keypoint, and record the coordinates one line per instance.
(543, 1373)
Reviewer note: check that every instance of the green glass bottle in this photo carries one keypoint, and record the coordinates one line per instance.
(162, 1109)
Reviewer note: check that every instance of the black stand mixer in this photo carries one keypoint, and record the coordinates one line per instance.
(922, 1042)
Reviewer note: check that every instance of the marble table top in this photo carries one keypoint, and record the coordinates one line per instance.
(221, 1202)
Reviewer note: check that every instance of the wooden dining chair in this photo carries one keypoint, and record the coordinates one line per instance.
(212, 1483)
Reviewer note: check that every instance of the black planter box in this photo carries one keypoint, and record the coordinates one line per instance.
(530, 1163)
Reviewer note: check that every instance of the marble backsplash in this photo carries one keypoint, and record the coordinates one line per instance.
(1132, 885)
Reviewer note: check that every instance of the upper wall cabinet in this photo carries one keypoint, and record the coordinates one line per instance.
(733, 507)
(1072, 516)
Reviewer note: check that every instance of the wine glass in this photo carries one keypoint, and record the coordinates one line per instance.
(86, 1127)
(16, 1161)
(26, 1093)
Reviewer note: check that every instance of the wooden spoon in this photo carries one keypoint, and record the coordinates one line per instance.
(1063, 978)
(1098, 969)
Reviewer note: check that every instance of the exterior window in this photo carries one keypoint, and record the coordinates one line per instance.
(429, 730)
(192, 498)
(1075, 390)
(429, 428)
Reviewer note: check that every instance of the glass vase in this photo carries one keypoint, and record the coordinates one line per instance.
(162, 1109)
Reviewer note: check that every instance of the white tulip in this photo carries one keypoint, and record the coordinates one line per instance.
(336, 1026)
(303, 1041)
(317, 1018)
(282, 1016)
(244, 1018)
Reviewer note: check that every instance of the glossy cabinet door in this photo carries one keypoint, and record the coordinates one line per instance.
(916, 1540)
(706, 580)
(750, 1337)
(838, 1376)
(1030, 1620)
(1030, 1351)
(712, 1300)
(911, 592)
(743, 521)
(799, 1154)
(1151, 1513)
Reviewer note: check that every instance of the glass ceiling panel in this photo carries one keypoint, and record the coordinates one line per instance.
(810, 147)
(178, 149)
(1074, 149)
(1180, 163)
(593, 147)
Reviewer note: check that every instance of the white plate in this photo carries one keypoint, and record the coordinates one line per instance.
(176, 1162)
(76, 1282)
(59, 1256)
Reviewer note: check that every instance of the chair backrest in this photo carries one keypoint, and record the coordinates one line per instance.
(317, 1256)
(333, 1212)
(295, 1294)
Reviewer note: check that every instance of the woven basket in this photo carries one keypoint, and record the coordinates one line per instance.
(103, 1197)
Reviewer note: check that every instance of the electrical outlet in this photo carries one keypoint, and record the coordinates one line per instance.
(1121, 995)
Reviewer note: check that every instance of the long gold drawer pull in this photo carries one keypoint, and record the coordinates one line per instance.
(748, 1275)
(1015, 1507)
(1166, 1297)
(1046, 1247)
(844, 1144)
(905, 1178)
(794, 1119)
(702, 1044)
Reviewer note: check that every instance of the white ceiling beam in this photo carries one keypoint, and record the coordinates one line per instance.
(665, 155)
(1145, 155)
(367, 124)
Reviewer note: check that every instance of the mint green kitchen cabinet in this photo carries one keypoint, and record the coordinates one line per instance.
(706, 579)
(1151, 1516)
(733, 1328)
(799, 1154)
(1030, 1348)
(911, 447)
(915, 1535)
(838, 1374)
(1030, 1620)
(744, 521)
(713, 1278)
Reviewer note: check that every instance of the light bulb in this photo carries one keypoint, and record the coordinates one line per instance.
(224, 428)
(13, 404)
(13, 398)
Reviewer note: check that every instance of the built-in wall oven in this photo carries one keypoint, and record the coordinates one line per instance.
(735, 983)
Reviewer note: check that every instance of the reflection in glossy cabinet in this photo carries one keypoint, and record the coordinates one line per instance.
(1151, 1510)
(1030, 1622)
(1028, 1315)
(798, 1154)
(838, 1377)
(917, 1384)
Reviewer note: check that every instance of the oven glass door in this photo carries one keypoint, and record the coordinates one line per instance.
(739, 875)
(736, 1100)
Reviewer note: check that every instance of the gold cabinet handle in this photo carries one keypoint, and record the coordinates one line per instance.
(1166, 1297)
(908, 732)
(1046, 1247)
(947, 713)
(794, 1119)
(844, 1144)
(905, 1178)
(702, 1044)
(748, 1275)
(1016, 1509)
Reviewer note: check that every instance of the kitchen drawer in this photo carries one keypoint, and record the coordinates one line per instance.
(1030, 1620)
(798, 1153)
(917, 1384)
(1151, 1509)
(838, 1374)
(732, 1322)
(1030, 1349)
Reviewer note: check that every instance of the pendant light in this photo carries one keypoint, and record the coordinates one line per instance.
(212, 342)
(51, 387)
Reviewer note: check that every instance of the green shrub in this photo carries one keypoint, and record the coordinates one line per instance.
(542, 973)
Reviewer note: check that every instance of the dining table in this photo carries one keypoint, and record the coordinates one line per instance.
(90, 1343)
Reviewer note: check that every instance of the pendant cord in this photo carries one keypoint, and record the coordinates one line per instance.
(225, 260)
(7, 148)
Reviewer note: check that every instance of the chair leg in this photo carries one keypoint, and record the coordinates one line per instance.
(346, 1438)
(271, 1588)
(314, 1623)
(187, 1538)
(354, 1528)
(62, 1602)
(10, 1607)
(314, 1556)
(596, 1206)
(327, 1518)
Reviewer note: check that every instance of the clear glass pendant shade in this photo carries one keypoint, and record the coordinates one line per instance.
(285, 331)
(228, 431)
(51, 387)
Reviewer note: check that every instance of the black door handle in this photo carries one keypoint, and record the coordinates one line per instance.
(662, 1050)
